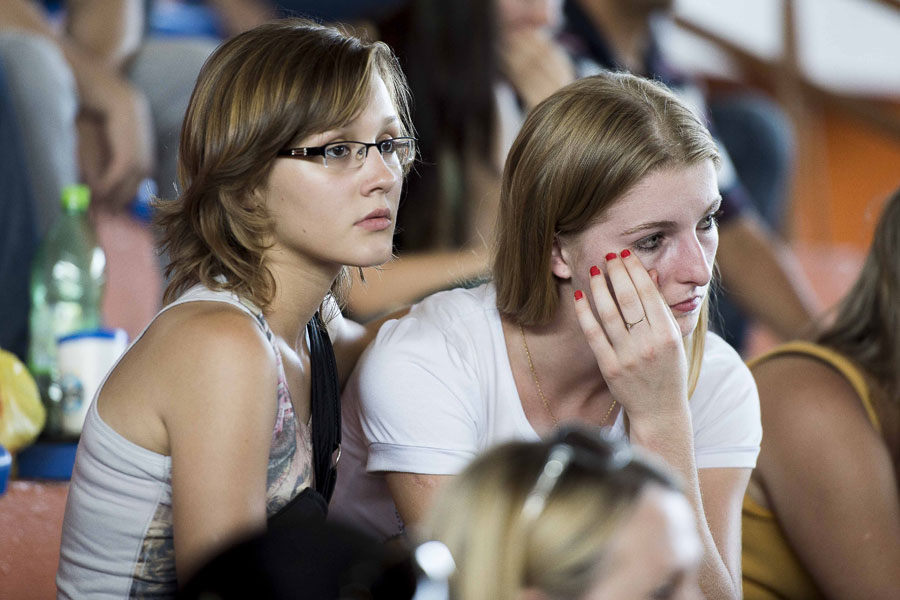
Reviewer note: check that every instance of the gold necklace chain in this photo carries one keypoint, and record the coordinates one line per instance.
(537, 384)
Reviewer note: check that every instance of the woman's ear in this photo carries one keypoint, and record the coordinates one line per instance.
(560, 259)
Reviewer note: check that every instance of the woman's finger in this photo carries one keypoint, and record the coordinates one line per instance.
(593, 332)
(652, 302)
(605, 306)
(625, 291)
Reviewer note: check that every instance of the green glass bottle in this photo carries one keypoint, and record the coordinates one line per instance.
(67, 279)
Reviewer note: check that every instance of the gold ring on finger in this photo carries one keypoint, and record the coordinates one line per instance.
(630, 325)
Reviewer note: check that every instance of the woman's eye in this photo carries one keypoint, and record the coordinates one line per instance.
(710, 221)
(337, 151)
(386, 146)
(649, 243)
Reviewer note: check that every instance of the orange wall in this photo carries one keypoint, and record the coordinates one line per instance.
(851, 169)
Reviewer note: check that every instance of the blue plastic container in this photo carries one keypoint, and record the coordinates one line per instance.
(5, 465)
(47, 460)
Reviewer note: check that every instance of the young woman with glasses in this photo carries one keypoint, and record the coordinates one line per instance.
(597, 313)
(224, 412)
(580, 515)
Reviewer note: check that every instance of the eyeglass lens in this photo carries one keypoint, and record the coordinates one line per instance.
(351, 155)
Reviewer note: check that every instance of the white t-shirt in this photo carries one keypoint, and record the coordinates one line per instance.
(435, 388)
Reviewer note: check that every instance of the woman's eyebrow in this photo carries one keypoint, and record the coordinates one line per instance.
(343, 133)
(713, 207)
(650, 225)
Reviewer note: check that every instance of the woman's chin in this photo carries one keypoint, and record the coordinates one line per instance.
(374, 260)
(687, 324)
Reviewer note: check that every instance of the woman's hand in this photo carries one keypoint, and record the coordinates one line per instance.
(639, 349)
(115, 140)
(636, 342)
(535, 64)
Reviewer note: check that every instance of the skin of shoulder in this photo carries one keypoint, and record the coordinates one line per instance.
(185, 350)
(206, 372)
(827, 475)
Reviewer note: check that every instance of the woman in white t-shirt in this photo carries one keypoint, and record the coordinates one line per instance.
(597, 313)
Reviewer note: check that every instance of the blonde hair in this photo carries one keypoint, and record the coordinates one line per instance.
(259, 92)
(578, 152)
(500, 549)
(866, 327)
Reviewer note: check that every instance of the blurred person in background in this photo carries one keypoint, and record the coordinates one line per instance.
(822, 511)
(623, 35)
(97, 101)
(597, 314)
(225, 411)
(579, 516)
(17, 231)
(475, 68)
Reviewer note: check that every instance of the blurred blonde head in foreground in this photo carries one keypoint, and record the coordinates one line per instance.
(580, 515)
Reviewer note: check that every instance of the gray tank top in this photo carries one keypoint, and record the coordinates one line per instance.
(117, 529)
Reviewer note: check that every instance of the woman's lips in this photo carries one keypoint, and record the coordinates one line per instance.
(377, 220)
(686, 306)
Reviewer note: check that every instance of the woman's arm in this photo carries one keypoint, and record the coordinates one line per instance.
(645, 368)
(828, 477)
(218, 413)
(413, 494)
(411, 277)
(716, 496)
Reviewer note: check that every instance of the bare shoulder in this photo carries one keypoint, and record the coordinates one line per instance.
(210, 345)
(811, 415)
(195, 360)
(803, 387)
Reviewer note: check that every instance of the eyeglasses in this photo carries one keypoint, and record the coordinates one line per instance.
(340, 156)
(601, 452)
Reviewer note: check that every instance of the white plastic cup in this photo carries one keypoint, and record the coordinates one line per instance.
(83, 360)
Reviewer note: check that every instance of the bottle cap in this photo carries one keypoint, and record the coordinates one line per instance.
(76, 196)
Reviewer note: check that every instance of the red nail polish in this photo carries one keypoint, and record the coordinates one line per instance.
(626, 253)
(594, 271)
(610, 256)
(578, 295)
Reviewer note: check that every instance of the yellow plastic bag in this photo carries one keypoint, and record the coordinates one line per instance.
(21, 413)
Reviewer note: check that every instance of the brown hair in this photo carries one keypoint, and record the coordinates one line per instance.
(867, 325)
(500, 548)
(578, 152)
(259, 92)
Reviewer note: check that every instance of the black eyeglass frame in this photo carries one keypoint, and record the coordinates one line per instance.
(309, 151)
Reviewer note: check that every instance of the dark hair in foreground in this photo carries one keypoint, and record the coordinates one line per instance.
(306, 559)
(867, 324)
(501, 546)
(260, 91)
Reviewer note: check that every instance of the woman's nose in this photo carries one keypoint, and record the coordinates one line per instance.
(380, 174)
(695, 262)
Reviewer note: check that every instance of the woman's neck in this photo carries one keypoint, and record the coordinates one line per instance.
(561, 361)
(300, 287)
